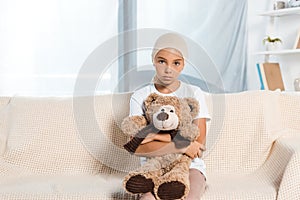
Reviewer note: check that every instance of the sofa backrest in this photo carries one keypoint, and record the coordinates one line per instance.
(290, 110)
(82, 134)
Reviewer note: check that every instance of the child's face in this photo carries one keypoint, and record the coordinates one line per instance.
(168, 64)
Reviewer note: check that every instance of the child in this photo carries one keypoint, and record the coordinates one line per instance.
(168, 56)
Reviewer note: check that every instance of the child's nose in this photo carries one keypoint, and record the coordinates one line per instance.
(168, 69)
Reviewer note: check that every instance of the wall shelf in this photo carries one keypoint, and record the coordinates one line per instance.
(279, 52)
(281, 12)
(272, 27)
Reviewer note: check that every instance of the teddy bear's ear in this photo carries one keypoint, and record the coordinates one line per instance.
(152, 97)
(194, 106)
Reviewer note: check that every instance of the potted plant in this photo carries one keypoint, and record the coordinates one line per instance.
(271, 43)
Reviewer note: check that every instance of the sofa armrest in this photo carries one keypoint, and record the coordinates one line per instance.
(281, 169)
(290, 181)
(4, 123)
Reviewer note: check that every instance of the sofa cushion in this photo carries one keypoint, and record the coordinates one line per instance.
(110, 187)
(290, 109)
(239, 187)
(57, 135)
(241, 132)
(98, 123)
(63, 187)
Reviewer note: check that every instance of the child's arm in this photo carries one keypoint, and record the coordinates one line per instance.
(196, 148)
(158, 137)
(159, 148)
(201, 123)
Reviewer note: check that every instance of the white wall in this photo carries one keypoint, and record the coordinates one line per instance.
(285, 27)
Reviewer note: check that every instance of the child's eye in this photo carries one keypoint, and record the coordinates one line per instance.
(177, 63)
(161, 61)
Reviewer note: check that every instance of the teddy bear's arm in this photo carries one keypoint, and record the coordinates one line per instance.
(180, 142)
(189, 131)
(132, 124)
(133, 144)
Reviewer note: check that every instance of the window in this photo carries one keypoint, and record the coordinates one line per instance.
(45, 43)
(45, 46)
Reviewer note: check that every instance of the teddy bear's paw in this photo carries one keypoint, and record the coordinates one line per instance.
(139, 184)
(171, 190)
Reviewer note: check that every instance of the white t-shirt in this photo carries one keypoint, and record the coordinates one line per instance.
(184, 90)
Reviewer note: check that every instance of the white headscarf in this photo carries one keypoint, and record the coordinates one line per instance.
(173, 41)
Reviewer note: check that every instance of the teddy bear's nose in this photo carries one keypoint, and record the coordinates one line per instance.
(162, 116)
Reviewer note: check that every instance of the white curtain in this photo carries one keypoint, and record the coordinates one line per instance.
(216, 28)
(44, 43)
(46, 46)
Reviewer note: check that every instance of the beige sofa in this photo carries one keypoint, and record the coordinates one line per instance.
(70, 148)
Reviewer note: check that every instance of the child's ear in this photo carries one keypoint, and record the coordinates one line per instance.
(194, 106)
(152, 97)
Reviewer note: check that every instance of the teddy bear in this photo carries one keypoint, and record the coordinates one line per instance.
(167, 176)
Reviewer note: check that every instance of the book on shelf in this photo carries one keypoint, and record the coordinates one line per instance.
(270, 76)
(297, 42)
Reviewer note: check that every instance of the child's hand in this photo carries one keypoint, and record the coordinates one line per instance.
(159, 137)
(194, 150)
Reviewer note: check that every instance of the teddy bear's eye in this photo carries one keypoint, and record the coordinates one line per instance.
(171, 111)
(162, 110)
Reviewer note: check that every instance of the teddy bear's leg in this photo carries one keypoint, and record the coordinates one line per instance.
(143, 180)
(138, 184)
(174, 184)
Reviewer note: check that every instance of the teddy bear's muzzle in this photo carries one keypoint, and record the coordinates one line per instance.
(162, 116)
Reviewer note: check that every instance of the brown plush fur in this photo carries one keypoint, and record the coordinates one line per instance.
(132, 128)
(165, 176)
